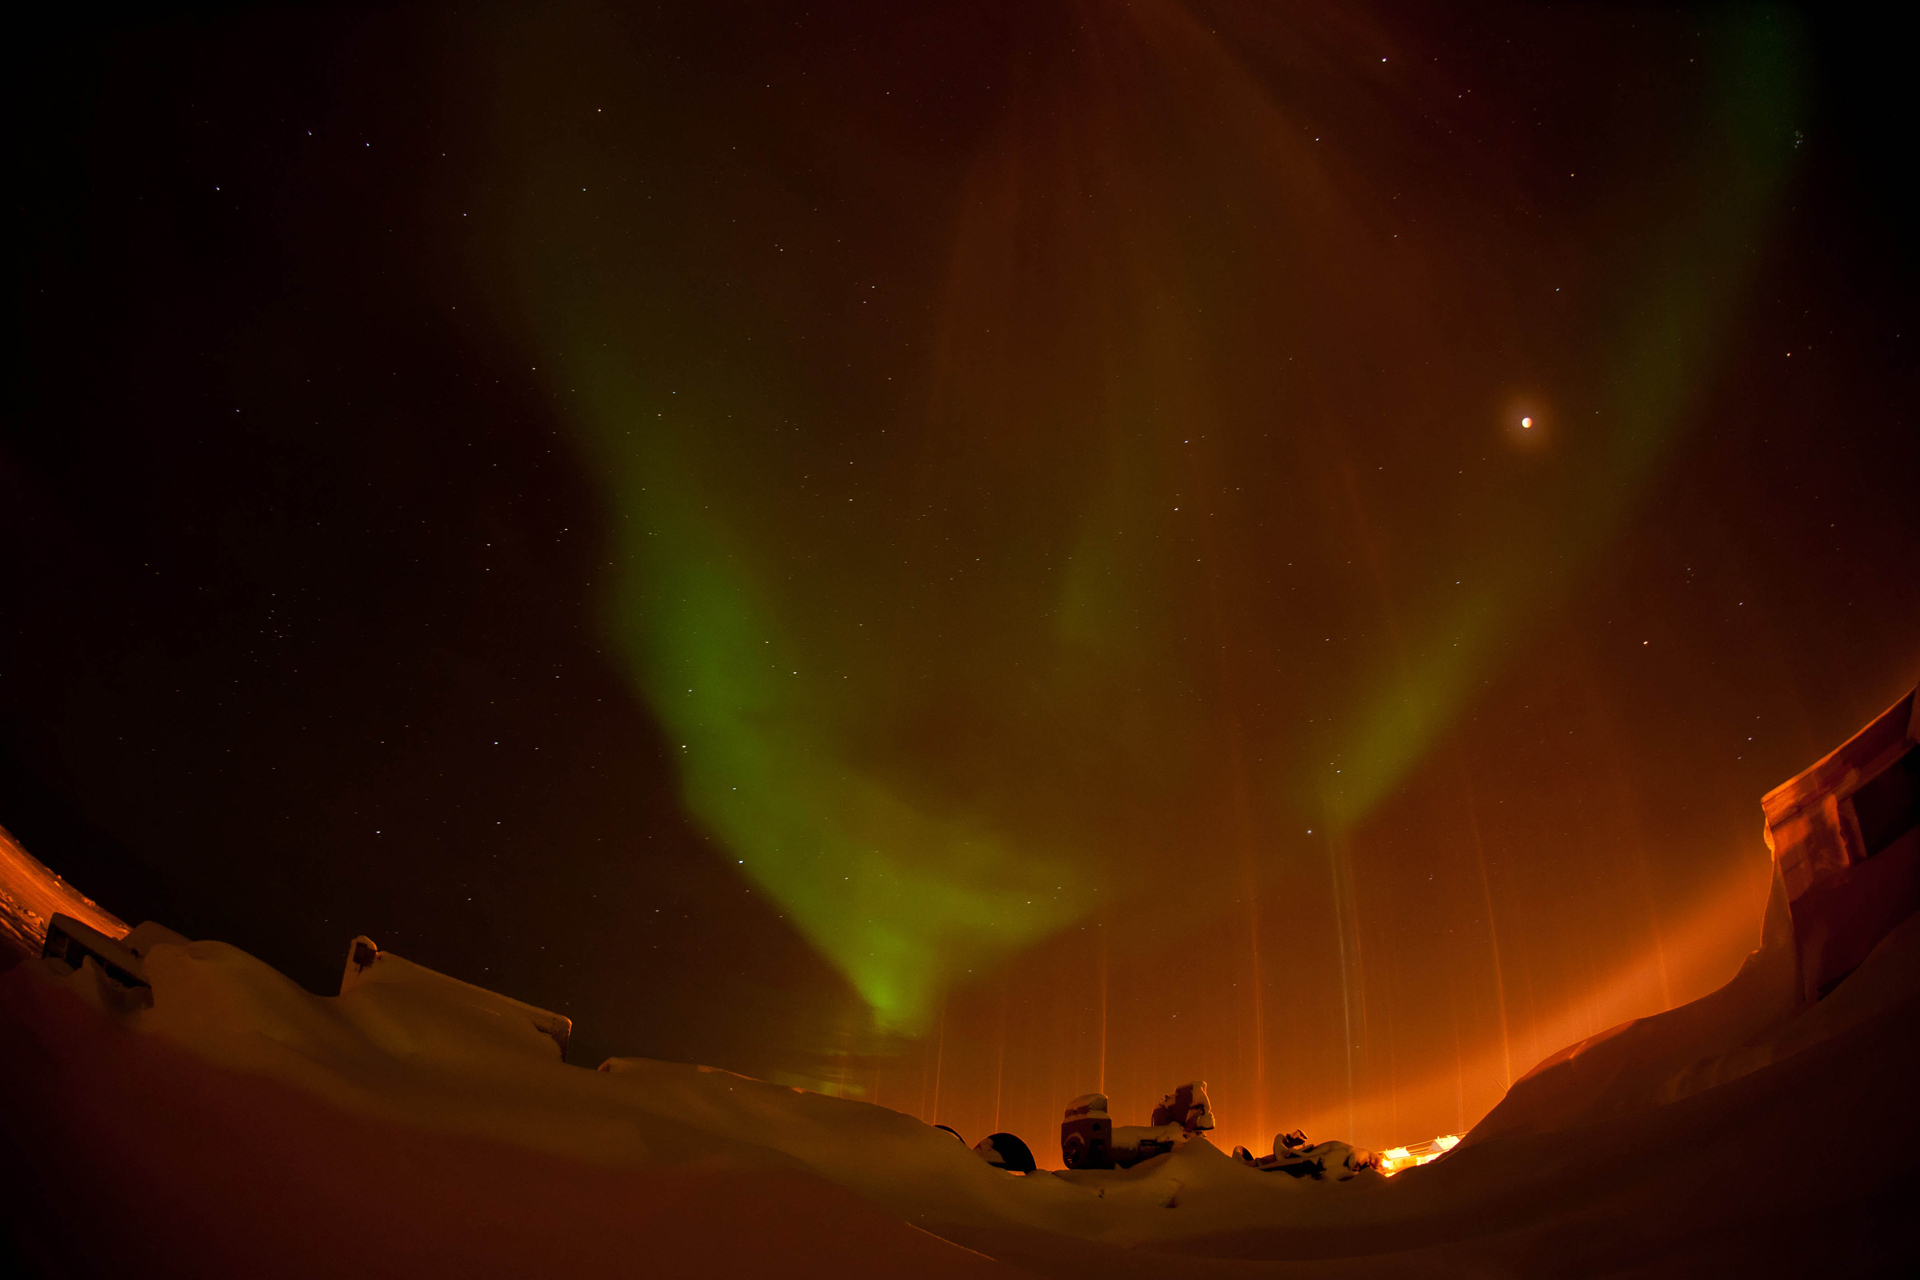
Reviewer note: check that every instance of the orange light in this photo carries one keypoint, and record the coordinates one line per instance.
(30, 894)
(1394, 1159)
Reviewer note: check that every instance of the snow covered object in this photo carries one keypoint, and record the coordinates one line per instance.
(1186, 1106)
(1086, 1134)
(240, 1126)
(1330, 1161)
(368, 965)
(76, 943)
(1133, 1143)
(1006, 1151)
(1089, 1140)
(119, 962)
(1846, 837)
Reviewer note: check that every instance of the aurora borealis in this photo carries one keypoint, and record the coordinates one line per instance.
(1103, 563)
(964, 554)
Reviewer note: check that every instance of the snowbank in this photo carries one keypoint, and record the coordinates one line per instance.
(238, 1120)
(204, 1116)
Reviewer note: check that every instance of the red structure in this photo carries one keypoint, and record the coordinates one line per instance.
(1845, 835)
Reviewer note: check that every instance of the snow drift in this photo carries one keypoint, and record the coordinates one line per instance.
(221, 1121)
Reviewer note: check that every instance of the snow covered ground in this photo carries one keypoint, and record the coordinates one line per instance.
(232, 1123)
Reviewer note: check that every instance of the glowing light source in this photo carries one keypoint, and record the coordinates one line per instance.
(1526, 422)
(1394, 1159)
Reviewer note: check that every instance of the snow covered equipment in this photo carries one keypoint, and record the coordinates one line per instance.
(75, 943)
(1187, 1107)
(1005, 1151)
(1086, 1135)
(1295, 1164)
(1330, 1161)
(1133, 1143)
(1089, 1140)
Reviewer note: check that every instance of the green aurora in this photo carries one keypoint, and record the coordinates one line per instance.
(930, 730)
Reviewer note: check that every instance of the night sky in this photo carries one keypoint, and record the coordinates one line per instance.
(960, 554)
